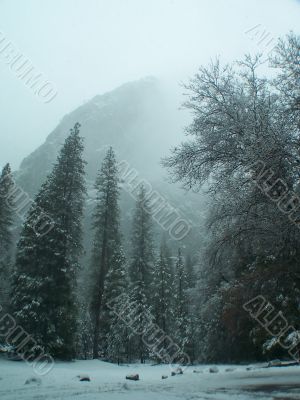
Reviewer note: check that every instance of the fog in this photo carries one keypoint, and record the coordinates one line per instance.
(89, 47)
(123, 241)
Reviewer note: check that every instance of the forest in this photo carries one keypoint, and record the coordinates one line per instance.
(73, 289)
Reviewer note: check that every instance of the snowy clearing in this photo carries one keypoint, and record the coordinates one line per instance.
(108, 382)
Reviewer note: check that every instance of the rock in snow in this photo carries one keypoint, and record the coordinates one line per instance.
(213, 370)
(178, 371)
(134, 377)
(33, 379)
(84, 378)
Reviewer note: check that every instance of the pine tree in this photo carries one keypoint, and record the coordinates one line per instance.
(116, 332)
(107, 240)
(189, 269)
(162, 289)
(192, 309)
(182, 328)
(141, 268)
(84, 339)
(46, 268)
(7, 204)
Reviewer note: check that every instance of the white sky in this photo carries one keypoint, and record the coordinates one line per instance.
(87, 47)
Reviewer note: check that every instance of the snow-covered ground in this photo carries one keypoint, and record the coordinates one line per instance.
(108, 382)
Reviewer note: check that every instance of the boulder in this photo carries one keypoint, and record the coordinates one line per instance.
(213, 370)
(178, 371)
(84, 378)
(164, 377)
(134, 377)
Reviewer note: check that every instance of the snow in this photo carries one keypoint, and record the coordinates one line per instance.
(108, 382)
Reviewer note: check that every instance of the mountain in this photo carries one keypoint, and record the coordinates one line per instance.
(135, 119)
(141, 121)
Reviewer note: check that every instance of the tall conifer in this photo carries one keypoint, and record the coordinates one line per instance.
(44, 280)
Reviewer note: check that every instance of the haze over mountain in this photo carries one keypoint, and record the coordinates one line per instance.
(138, 120)
(88, 48)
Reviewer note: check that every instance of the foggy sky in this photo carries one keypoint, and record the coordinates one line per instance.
(87, 47)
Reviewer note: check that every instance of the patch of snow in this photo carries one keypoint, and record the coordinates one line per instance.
(108, 382)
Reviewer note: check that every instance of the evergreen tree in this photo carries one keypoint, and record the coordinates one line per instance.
(189, 269)
(181, 309)
(162, 288)
(141, 268)
(7, 203)
(44, 280)
(84, 339)
(116, 332)
(107, 241)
